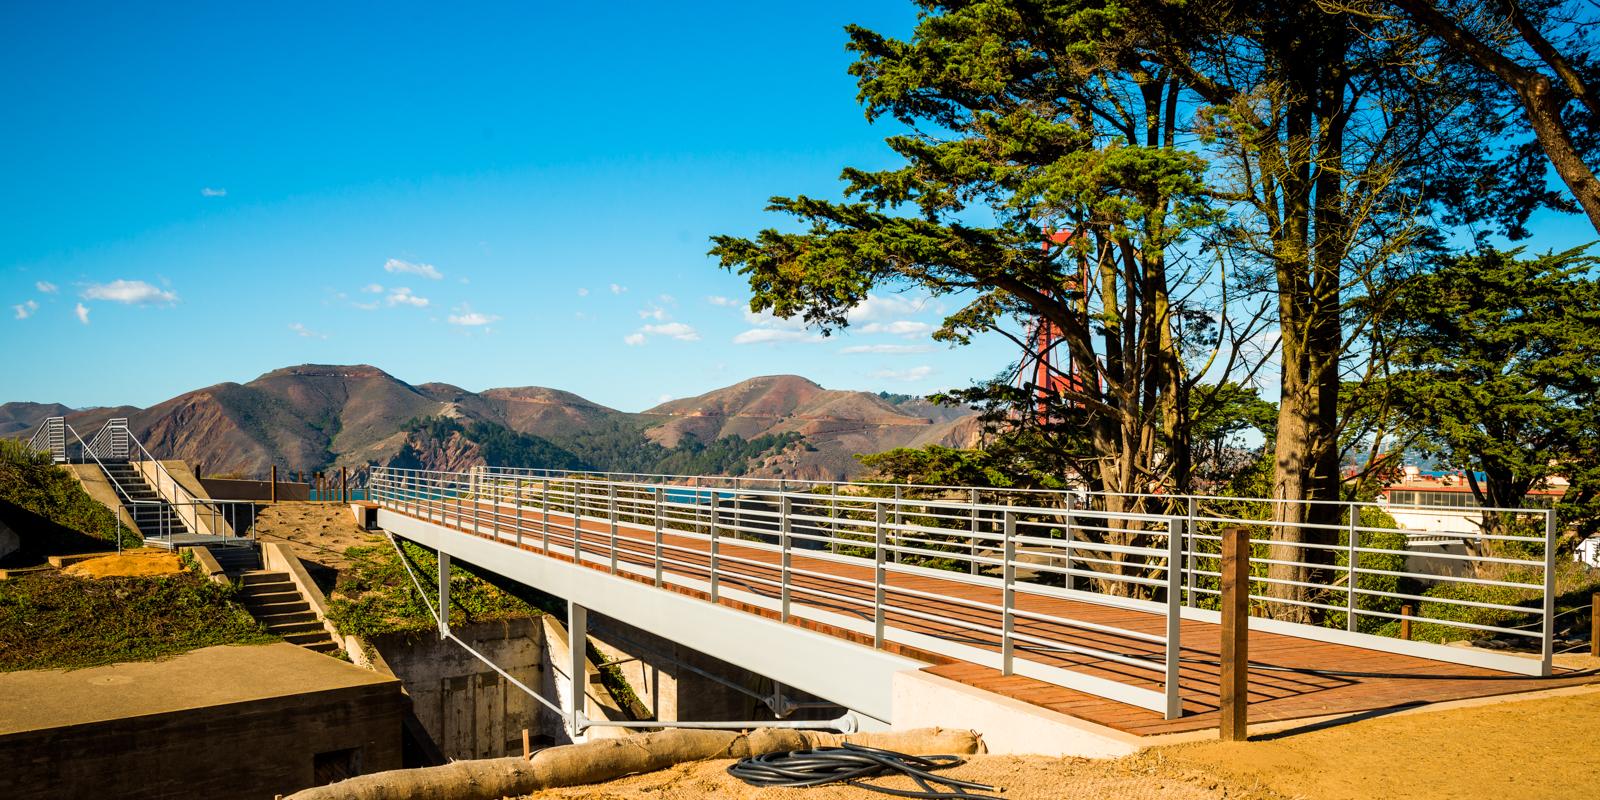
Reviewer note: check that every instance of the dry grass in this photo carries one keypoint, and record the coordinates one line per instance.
(145, 562)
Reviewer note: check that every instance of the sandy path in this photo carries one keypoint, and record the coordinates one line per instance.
(316, 532)
(1022, 777)
(1524, 750)
(1516, 750)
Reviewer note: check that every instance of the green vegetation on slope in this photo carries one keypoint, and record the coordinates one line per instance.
(615, 447)
(53, 621)
(49, 510)
(376, 596)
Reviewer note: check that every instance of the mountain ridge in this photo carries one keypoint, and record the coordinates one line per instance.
(311, 417)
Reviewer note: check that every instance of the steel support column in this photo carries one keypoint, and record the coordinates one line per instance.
(577, 664)
(444, 594)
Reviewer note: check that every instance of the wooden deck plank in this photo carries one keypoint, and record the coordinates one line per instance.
(1285, 691)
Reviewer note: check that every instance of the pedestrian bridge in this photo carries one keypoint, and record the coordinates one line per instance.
(1048, 598)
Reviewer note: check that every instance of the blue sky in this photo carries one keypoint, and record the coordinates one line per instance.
(488, 195)
(222, 189)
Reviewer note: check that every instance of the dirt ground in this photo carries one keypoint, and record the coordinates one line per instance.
(1022, 777)
(1524, 749)
(317, 532)
(132, 563)
(1527, 750)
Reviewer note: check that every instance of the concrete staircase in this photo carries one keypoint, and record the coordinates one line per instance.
(272, 598)
(152, 515)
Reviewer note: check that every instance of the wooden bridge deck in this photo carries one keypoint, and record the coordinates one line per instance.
(1347, 680)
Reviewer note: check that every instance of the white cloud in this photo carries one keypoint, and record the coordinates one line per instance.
(775, 335)
(722, 302)
(26, 310)
(656, 313)
(675, 330)
(671, 330)
(131, 292)
(663, 398)
(900, 327)
(765, 319)
(406, 267)
(372, 306)
(46, 287)
(402, 296)
(617, 288)
(877, 308)
(905, 375)
(472, 319)
(306, 332)
(373, 288)
(207, 191)
(582, 292)
(666, 299)
(888, 348)
(773, 330)
(83, 313)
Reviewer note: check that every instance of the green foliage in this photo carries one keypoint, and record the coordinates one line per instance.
(613, 447)
(1500, 371)
(375, 595)
(730, 455)
(936, 465)
(500, 446)
(53, 621)
(1575, 584)
(49, 509)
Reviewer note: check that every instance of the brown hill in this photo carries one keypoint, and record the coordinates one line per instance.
(22, 419)
(837, 424)
(313, 416)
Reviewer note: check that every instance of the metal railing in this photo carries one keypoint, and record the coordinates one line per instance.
(51, 437)
(175, 509)
(1029, 551)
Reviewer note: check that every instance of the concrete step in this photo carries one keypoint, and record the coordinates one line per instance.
(259, 610)
(308, 638)
(268, 595)
(326, 647)
(290, 618)
(297, 628)
(264, 578)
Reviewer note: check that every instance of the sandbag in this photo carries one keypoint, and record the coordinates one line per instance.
(609, 759)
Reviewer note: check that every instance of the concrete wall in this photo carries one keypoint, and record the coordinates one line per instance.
(657, 669)
(230, 489)
(251, 750)
(468, 708)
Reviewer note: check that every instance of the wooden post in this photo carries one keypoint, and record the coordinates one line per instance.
(1594, 625)
(273, 480)
(344, 485)
(527, 750)
(1235, 677)
(1405, 622)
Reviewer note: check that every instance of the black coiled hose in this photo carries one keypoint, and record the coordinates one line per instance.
(855, 763)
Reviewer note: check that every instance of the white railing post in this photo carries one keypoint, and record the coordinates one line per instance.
(1189, 546)
(1548, 640)
(713, 527)
(1008, 592)
(1071, 580)
(784, 508)
(879, 575)
(1352, 562)
(611, 511)
(898, 542)
(577, 526)
(972, 563)
(658, 513)
(544, 515)
(1175, 532)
